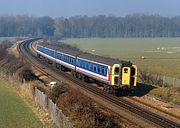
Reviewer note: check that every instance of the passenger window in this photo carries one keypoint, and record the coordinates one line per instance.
(116, 71)
(86, 65)
(91, 67)
(98, 69)
(125, 70)
(94, 68)
(103, 71)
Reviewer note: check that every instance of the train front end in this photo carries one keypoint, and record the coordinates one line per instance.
(124, 76)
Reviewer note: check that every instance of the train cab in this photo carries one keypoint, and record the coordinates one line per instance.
(124, 76)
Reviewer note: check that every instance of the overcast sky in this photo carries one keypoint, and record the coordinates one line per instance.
(66, 8)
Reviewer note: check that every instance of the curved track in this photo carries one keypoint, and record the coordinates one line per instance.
(148, 116)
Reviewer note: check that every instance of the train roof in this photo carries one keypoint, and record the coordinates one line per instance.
(88, 56)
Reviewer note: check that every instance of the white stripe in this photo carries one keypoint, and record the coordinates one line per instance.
(92, 73)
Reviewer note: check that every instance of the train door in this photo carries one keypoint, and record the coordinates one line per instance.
(126, 75)
(116, 75)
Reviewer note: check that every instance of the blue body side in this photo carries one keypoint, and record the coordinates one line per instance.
(65, 58)
(90, 66)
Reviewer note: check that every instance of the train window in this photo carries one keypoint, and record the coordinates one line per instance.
(68, 59)
(94, 68)
(98, 69)
(116, 80)
(72, 60)
(133, 71)
(82, 65)
(103, 71)
(116, 71)
(79, 63)
(126, 70)
(91, 67)
(87, 65)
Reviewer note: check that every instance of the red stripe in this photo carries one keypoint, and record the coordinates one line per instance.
(109, 75)
(94, 75)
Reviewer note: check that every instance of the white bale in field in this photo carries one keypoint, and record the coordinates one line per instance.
(93, 50)
(142, 57)
(163, 48)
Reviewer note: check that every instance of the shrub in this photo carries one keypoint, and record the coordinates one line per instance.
(57, 90)
(84, 112)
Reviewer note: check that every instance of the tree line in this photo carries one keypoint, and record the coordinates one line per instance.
(136, 25)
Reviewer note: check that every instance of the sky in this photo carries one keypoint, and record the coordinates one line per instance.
(67, 8)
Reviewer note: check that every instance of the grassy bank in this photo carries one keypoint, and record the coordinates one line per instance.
(161, 54)
(167, 94)
(14, 113)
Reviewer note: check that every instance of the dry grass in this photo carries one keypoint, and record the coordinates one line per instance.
(84, 113)
(167, 94)
(19, 73)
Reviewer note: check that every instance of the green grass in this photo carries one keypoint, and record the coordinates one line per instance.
(14, 113)
(162, 55)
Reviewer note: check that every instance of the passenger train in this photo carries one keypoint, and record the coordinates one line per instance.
(112, 74)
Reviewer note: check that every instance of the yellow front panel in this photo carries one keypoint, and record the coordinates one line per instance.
(113, 75)
(126, 75)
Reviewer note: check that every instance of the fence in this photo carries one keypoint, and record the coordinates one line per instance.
(159, 80)
(54, 112)
(169, 81)
(43, 101)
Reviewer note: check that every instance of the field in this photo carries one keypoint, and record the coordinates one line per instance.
(14, 113)
(155, 55)
(7, 38)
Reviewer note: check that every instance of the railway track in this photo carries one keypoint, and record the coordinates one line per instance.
(153, 107)
(148, 116)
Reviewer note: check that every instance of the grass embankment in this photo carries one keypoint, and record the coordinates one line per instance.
(161, 54)
(14, 113)
(167, 94)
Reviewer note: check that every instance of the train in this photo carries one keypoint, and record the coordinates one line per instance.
(111, 74)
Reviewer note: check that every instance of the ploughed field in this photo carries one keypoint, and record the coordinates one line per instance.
(14, 113)
(155, 55)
